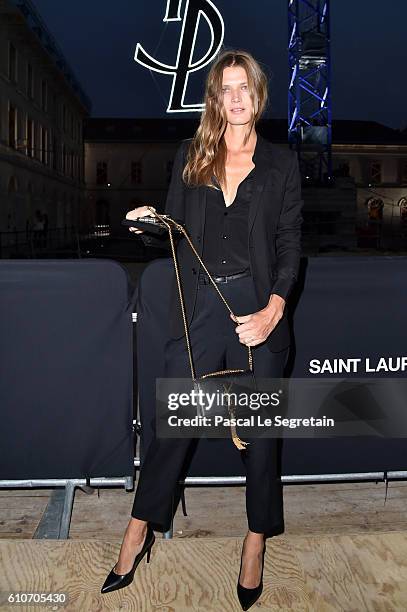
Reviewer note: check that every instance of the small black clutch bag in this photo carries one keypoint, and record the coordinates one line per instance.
(151, 225)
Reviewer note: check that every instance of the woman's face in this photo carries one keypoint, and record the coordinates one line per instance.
(236, 98)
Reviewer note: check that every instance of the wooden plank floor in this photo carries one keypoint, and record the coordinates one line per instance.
(314, 573)
(309, 509)
(344, 550)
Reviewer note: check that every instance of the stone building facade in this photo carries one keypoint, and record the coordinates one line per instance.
(42, 108)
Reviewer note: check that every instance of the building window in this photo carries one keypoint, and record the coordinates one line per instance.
(44, 95)
(44, 143)
(342, 168)
(54, 107)
(376, 172)
(136, 172)
(12, 63)
(30, 137)
(30, 81)
(49, 146)
(375, 209)
(403, 209)
(67, 120)
(169, 167)
(54, 153)
(101, 173)
(12, 126)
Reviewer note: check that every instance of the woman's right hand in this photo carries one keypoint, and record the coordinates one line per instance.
(140, 211)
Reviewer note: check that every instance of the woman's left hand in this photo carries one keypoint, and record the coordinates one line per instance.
(253, 329)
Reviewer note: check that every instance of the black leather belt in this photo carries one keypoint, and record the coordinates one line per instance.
(203, 278)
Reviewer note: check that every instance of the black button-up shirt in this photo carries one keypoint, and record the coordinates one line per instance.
(225, 248)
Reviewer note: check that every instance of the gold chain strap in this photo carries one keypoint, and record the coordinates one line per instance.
(238, 442)
(167, 221)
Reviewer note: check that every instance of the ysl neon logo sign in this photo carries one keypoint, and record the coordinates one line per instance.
(194, 11)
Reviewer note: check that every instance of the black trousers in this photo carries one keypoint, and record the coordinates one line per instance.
(215, 345)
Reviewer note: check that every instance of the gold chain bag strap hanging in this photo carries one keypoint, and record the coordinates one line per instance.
(170, 224)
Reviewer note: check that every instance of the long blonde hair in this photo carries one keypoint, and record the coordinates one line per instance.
(207, 151)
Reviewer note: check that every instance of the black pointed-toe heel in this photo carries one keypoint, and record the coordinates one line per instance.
(119, 581)
(247, 597)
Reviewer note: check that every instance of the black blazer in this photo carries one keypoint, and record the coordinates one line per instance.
(274, 232)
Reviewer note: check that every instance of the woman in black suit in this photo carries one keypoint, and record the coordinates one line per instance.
(239, 197)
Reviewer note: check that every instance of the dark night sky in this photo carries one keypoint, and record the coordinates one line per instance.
(98, 38)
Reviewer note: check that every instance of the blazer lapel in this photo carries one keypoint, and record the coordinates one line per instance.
(262, 160)
(259, 181)
(202, 192)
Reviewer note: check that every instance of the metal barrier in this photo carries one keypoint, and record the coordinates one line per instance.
(55, 522)
(56, 519)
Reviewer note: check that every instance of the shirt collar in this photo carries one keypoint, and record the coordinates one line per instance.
(257, 148)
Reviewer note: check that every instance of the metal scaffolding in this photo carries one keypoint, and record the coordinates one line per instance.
(309, 101)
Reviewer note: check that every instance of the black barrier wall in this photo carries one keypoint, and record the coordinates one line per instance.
(342, 307)
(66, 364)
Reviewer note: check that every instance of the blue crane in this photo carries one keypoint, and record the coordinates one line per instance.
(309, 100)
